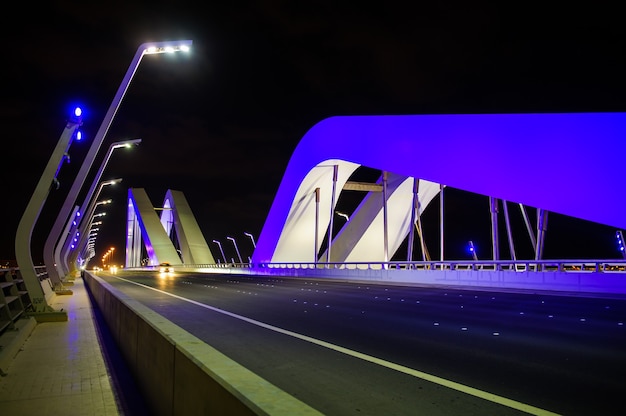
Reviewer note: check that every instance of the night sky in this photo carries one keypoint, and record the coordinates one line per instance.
(220, 124)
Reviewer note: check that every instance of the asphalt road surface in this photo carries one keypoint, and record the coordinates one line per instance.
(349, 348)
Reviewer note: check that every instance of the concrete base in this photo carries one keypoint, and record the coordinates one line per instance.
(47, 290)
(12, 340)
(52, 316)
(63, 292)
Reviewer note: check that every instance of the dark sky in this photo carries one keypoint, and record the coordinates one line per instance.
(220, 125)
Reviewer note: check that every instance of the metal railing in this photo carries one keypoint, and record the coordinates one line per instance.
(564, 265)
(41, 271)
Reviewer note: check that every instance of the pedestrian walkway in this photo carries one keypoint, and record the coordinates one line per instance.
(61, 368)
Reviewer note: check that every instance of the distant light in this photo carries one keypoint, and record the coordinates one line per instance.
(79, 135)
(78, 112)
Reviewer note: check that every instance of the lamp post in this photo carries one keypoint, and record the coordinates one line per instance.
(221, 250)
(144, 49)
(68, 261)
(89, 233)
(253, 245)
(78, 241)
(236, 249)
(472, 250)
(619, 236)
(31, 215)
(61, 249)
(341, 214)
(251, 238)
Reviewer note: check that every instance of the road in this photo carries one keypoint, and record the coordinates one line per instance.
(350, 348)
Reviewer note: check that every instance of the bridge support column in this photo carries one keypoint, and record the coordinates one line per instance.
(542, 226)
(495, 245)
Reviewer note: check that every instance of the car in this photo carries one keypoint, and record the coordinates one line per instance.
(165, 268)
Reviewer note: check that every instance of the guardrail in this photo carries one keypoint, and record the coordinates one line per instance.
(41, 271)
(581, 276)
(568, 265)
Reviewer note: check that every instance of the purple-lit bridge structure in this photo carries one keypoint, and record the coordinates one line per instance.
(565, 163)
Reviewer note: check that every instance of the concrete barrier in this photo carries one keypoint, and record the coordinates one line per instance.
(180, 374)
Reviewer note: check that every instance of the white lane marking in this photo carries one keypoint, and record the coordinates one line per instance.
(406, 370)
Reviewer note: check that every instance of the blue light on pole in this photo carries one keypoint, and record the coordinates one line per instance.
(31, 214)
(472, 250)
(77, 117)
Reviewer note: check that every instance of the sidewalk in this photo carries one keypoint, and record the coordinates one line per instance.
(61, 369)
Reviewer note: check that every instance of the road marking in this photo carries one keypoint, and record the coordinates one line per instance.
(406, 370)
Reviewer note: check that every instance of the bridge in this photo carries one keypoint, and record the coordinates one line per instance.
(299, 240)
(418, 158)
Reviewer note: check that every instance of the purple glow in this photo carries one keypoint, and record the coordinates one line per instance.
(558, 162)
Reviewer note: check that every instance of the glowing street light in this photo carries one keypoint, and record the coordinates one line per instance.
(61, 249)
(252, 238)
(620, 243)
(221, 250)
(236, 248)
(472, 250)
(70, 258)
(341, 214)
(144, 49)
(33, 209)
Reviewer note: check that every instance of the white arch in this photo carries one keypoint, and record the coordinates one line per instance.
(568, 163)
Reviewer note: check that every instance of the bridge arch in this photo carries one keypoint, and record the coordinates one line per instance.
(567, 163)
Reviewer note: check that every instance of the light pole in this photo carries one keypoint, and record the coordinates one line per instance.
(620, 242)
(236, 249)
(68, 261)
(341, 214)
(31, 215)
(82, 235)
(221, 250)
(251, 238)
(80, 247)
(64, 213)
(74, 242)
(61, 249)
(472, 250)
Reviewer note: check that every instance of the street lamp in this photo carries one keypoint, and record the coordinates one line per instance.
(56, 251)
(341, 214)
(88, 234)
(74, 242)
(472, 250)
(221, 250)
(64, 213)
(236, 249)
(82, 226)
(252, 238)
(33, 209)
(620, 242)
